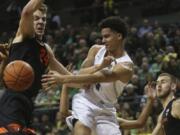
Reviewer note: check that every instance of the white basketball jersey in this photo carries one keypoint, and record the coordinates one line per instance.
(107, 92)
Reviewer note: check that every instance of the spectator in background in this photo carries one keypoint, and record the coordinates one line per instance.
(156, 66)
(145, 28)
(136, 83)
(131, 97)
(46, 125)
(132, 43)
(144, 74)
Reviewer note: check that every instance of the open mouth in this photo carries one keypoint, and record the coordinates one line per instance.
(159, 90)
(40, 29)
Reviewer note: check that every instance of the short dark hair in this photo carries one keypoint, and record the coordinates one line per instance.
(114, 23)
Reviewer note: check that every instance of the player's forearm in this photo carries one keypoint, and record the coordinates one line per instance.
(85, 78)
(158, 130)
(57, 66)
(126, 124)
(130, 124)
(80, 79)
(90, 70)
(64, 100)
(140, 122)
(31, 6)
(145, 113)
(77, 85)
(2, 66)
(101, 76)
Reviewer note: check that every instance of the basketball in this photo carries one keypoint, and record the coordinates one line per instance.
(18, 75)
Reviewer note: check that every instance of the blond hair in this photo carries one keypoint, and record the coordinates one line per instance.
(172, 77)
(43, 8)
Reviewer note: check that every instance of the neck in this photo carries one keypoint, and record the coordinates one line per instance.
(117, 53)
(39, 37)
(166, 100)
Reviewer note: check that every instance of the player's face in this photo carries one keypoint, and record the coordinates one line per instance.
(39, 22)
(111, 39)
(163, 86)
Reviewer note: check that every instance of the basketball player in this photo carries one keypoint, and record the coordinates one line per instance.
(124, 123)
(16, 107)
(107, 69)
(169, 119)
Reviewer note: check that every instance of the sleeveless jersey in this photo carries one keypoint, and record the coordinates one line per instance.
(33, 52)
(108, 92)
(18, 106)
(171, 124)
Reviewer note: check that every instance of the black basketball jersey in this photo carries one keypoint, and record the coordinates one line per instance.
(33, 52)
(171, 124)
(18, 106)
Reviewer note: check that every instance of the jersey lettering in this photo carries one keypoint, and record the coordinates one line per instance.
(44, 56)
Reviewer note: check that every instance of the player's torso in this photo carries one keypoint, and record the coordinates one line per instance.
(171, 124)
(108, 92)
(33, 52)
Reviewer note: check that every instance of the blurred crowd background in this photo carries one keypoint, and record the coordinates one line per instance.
(153, 44)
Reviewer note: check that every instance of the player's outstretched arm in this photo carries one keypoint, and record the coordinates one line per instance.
(119, 72)
(64, 98)
(140, 122)
(158, 130)
(54, 64)
(64, 103)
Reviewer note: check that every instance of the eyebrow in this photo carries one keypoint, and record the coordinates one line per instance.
(163, 80)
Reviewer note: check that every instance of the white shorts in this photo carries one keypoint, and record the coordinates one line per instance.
(101, 117)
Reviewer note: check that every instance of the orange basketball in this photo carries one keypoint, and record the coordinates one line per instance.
(18, 75)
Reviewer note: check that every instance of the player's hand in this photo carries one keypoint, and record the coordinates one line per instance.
(150, 91)
(107, 61)
(51, 80)
(2, 56)
(4, 51)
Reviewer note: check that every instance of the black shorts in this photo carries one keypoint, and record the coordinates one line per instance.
(15, 108)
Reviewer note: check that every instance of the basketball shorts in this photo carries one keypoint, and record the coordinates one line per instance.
(95, 115)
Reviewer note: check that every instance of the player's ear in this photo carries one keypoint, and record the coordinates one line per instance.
(120, 36)
(173, 86)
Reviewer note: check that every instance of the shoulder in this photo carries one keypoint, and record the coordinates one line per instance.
(49, 49)
(175, 109)
(94, 49)
(176, 103)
